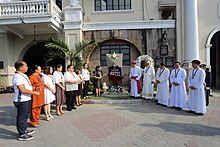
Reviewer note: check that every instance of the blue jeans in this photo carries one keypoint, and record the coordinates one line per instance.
(23, 112)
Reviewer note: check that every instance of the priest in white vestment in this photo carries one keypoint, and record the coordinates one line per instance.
(148, 81)
(196, 80)
(162, 80)
(178, 89)
(135, 75)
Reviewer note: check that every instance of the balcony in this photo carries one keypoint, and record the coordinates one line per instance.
(20, 15)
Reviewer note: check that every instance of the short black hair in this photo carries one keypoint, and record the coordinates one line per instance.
(177, 62)
(196, 62)
(18, 64)
(58, 66)
(162, 64)
(35, 67)
(68, 66)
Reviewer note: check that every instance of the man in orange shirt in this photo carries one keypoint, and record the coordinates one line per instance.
(37, 100)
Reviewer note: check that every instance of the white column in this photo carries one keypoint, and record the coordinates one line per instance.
(191, 31)
(74, 2)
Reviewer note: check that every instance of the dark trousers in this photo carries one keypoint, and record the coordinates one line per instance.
(23, 111)
(207, 92)
(70, 99)
(86, 88)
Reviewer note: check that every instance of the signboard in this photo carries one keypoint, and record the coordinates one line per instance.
(158, 60)
(115, 70)
(1, 65)
(169, 61)
(164, 49)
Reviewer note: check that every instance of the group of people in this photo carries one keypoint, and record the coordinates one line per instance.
(44, 87)
(198, 87)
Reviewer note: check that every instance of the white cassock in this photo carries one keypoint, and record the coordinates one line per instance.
(163, 87)
(178, 93)
(148, 86)
(197, 102)
(135, 72)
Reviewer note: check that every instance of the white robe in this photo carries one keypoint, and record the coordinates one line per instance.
(163, 86)
(135, 71)
(178, 93)
(197, 101)
(148, 86)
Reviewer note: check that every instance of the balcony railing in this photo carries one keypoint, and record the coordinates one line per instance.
(30, 8)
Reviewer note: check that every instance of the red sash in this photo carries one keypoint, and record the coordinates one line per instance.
(138, 83)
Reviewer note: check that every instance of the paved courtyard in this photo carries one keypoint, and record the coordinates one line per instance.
(142, 124)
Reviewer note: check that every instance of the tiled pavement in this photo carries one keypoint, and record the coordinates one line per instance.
(118, 125)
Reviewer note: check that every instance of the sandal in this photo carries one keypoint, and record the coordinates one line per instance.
(59, 114)
(48, 118)
(51, 117)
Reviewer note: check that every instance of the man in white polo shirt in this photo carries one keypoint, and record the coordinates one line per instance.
(22, 100)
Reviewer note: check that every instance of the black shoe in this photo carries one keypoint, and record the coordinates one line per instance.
(25, 137)
(178, 108)
(74, 108)
(200, 114)
(69, 109)
(190, 111)
(29, 132)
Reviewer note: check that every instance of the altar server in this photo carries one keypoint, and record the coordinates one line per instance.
(178, 89)
(162, 80)
(196, 81)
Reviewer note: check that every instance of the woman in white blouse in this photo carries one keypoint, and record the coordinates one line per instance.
(49, 91)
(86, 77)
(60, 88)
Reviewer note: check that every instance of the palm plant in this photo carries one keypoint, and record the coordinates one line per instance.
(59, 49)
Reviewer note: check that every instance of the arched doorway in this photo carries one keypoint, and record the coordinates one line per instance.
(98, 55)
(215, 60)
(36, 55)
(129, 51)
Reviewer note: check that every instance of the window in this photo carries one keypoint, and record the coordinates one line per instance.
(103, 5)
(110, 49)
(59, 4)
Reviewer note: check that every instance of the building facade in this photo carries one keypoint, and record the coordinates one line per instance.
(189, 28)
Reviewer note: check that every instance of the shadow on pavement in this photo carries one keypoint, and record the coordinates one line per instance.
(151, 107)
(6, 134)
(186, 128)
(7, 115)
